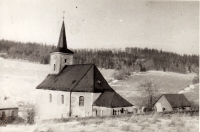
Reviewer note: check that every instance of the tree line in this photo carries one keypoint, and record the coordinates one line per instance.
(140, 59)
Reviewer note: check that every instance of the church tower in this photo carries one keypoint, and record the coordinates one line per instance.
(61, 56)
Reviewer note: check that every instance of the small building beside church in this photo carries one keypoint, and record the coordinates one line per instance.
(8, 108)
(172, 102)
(76, 90)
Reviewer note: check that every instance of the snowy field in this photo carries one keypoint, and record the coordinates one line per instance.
(134, 123)
(18, 79)
(166, 82)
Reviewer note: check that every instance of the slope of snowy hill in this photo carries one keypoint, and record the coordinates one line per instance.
(18, 80)
(166, 82)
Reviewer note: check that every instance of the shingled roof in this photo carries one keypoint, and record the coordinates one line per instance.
(177, 100)
(111, 100)
(76, 78)
(62, 42)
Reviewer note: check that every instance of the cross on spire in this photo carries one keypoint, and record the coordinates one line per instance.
(62, 42)
(63, 15)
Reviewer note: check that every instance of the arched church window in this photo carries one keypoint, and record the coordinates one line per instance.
(62, 99)
(50, 97)
(81, 101)
(54, 67)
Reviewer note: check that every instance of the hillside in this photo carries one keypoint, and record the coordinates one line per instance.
(167, 82)
(18, 80)
(192, 93)
(133, 58)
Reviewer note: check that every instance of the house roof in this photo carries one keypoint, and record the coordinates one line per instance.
(176, 100)
(62, 43)
(7, 103)
(76, 78)
(111, 100)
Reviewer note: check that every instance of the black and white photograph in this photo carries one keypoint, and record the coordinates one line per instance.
(99, 66)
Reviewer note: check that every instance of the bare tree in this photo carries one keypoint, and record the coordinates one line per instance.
(29, 112)
(149, 92)
(196, 78)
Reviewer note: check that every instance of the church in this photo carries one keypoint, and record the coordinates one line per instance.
(76, 90)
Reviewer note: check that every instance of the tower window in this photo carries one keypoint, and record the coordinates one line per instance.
(54, 67)
(50, 97)
(81, 101)
(65, 60)
(62, 99)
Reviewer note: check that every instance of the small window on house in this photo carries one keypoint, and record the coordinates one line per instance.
(50, 98)
(62, 99)
(54, 67)
(65, 60)
(81, 101)
(163, 109)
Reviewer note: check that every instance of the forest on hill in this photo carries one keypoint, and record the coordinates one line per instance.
(140, 59)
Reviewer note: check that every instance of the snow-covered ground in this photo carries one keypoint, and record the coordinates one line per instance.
(190, 88)
(18, 79)
(136, 123)
(167, 82)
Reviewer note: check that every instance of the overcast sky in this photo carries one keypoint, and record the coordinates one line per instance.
(170, 26)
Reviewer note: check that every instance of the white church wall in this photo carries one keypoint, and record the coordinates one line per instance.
(86, 110)
(95, 96)
(53, 109)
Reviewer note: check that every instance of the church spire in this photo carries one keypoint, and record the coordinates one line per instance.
(61, 56)
(62, 42)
